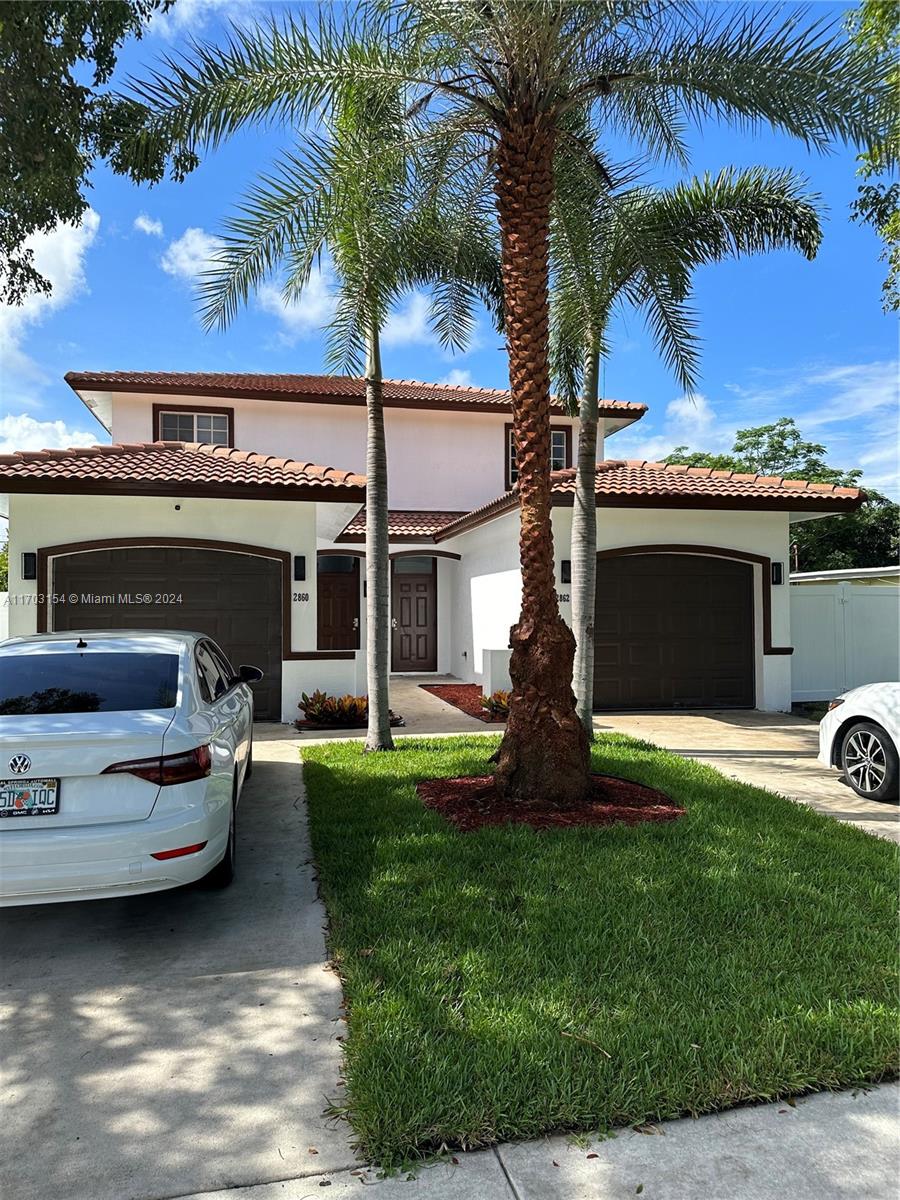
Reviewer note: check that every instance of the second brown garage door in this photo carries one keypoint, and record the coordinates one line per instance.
(673, 631)
(234, 598)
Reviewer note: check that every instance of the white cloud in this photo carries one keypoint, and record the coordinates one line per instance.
(190, 255)
(457, 378)
(149, 225)
(192, 15)
(308, 315)
(408, 326)
(690, 420)
(822, 395)
(25, 433)
(59, 256)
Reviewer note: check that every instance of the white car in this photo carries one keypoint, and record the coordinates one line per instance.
(860, 733)
(122, 757)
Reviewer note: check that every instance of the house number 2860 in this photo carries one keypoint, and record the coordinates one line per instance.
(301, 596)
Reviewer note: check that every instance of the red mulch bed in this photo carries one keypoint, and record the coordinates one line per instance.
(464, 696)
(471, 803)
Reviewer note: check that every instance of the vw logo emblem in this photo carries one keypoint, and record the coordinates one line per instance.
(19, 764)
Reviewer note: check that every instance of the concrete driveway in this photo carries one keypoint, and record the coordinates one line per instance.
(180, 1042)
(773, 750)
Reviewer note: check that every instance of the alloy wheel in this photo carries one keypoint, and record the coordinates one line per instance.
(865, 761)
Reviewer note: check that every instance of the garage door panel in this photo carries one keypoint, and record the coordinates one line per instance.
(234, 598)
(673, 630)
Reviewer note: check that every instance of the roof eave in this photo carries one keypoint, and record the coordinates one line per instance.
(317, 493)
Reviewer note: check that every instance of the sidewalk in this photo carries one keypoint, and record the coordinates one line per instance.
(827, 1147)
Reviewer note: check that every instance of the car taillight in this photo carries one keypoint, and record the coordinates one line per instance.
(167, 769)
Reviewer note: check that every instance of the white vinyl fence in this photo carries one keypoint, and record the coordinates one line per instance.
(845, 632)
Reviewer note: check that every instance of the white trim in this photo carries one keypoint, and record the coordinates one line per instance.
(849, 573)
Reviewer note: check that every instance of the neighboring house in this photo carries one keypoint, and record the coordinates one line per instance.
(244, 537)
(846, 630)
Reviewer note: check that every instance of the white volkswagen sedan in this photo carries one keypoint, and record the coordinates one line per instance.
(860, 733)
(122, 757)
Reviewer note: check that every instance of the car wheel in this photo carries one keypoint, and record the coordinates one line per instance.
(223, 872)
(870, 763)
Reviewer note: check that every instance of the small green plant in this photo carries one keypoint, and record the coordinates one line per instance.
(497, 704)
(347, 712)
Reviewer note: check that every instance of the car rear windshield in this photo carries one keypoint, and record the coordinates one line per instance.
(93, 682)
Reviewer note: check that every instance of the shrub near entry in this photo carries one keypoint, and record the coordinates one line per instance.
(337, 712)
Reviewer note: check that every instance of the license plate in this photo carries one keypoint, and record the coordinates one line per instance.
(28, 797)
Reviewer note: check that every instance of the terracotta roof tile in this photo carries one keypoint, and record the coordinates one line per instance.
(403, 525)
(672, 485)
(398, 393)
(170, 468)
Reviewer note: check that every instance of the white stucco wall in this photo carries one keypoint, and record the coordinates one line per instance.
(437, 460)
(39, 521)
(489, 582)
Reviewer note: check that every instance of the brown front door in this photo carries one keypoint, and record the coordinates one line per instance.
(673, 631)
(414, 614)
(338, 604)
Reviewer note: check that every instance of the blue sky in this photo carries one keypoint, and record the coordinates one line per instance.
(782, 337)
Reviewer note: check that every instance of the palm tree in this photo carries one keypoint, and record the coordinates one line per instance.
(347, 196)
(503, 77)
(639, 247)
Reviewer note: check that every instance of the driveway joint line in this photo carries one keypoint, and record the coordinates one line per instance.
(257, 1183)
(514, 1192)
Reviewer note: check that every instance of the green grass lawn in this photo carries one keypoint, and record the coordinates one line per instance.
(506, 983)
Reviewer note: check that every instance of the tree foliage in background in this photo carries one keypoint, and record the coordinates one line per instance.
(4, 567)
(875, 27)
(55, 120)
(866, 538)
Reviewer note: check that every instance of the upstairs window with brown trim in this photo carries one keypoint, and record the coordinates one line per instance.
(560, 451)
(180, 423)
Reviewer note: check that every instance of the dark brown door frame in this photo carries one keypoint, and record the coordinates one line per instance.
(434, 575)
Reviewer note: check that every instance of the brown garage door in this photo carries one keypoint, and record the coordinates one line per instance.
(673, 631)
(234, 598)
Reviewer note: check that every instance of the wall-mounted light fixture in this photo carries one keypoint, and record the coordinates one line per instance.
(777, 572)
(29, 565)
(299, 568)
(565, 571)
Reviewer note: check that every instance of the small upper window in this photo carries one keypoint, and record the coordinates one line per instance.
(560, 457)
(194, 427)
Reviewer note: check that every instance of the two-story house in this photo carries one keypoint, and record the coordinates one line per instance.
(234, 504)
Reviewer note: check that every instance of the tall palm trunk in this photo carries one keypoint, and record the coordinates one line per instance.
(378, 628)
(584, 540)
(544, 753)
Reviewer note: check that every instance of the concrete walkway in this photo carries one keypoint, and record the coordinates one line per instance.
(827, 1147)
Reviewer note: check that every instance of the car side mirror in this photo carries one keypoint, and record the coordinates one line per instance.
(249, 674)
